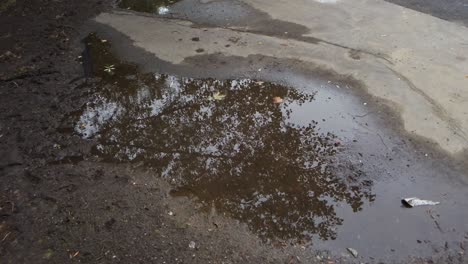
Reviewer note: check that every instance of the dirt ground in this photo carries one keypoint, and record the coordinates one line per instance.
(60, 203)
(57, 203)
(53, 209)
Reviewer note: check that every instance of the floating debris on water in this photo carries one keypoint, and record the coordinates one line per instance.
(217, 96)
(277, 100)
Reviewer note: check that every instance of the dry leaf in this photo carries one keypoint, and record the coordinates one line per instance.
(74, 255)
(277, 100)
(218, 96)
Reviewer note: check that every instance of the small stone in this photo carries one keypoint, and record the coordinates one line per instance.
(192, 245)
(353, 252)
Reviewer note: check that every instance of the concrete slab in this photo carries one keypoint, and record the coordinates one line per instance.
(414, 62)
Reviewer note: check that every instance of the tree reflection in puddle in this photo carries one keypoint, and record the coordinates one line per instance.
(237, 152)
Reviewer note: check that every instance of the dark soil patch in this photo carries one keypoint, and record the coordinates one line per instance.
(57, 204)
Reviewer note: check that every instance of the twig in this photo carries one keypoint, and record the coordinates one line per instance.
(362, 115)
(381, 139)
(5, 237)
(438, 226)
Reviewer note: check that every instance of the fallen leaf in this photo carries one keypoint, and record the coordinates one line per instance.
(109, 68)
(259, 83)
(277, 100)
(48, 254)
(218, 96)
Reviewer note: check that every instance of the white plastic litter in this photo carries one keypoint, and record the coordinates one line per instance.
(163, 10)
(414, 201)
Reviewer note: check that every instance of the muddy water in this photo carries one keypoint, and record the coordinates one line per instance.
(249, 149)
(149, 6)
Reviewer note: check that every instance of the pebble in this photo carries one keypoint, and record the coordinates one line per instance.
(192, 245)
(353, 252)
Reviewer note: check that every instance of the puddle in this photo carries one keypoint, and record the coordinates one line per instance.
(148, 6)
(228, 144)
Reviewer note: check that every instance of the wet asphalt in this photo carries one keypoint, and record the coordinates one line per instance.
(451, 10)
